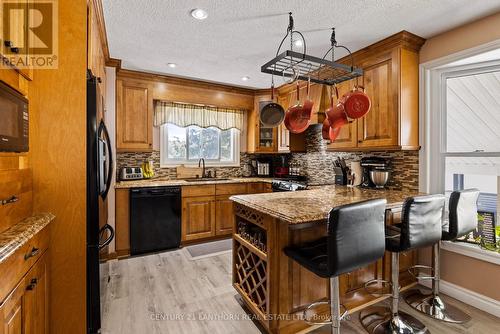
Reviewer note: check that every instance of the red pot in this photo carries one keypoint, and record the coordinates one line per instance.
(357, 103)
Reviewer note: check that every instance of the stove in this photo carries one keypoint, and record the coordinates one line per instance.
(287, 185)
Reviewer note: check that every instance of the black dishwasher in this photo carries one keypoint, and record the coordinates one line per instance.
(155, 219)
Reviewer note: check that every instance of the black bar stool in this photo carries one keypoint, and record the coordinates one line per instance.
(355, 239)
(462, 220)
(420, 226)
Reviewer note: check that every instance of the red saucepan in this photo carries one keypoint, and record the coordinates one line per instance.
(336, 116)
(298, 117)
(357, 103)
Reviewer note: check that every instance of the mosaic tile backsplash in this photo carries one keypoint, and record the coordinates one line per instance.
(316, 163)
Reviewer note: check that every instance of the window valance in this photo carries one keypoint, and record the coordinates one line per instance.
(184, 115)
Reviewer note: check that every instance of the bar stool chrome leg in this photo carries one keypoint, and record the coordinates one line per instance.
(432, 304)
(381, 320)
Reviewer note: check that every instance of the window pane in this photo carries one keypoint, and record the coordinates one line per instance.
(210, 143)
(471, 172)
(226, 145)
(473, 113)
(176, 142)
(194, 147)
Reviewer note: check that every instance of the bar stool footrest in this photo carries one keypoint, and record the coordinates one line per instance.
(308, 321)
(378, 293)
(415, 272)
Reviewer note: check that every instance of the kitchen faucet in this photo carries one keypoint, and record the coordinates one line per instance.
(203, 168)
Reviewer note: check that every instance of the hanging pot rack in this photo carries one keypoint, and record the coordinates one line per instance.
(301, 66)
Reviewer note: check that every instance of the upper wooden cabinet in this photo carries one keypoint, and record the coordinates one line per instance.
(271, 140)
(391, 80)
(134, 116)
(97, 44)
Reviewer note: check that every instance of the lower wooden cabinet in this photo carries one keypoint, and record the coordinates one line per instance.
(224, 216)
(198, 217)
(25, 309)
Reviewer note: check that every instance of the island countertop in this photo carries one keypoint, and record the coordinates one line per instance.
(314, 205)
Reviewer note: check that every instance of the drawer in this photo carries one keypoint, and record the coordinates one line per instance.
(231, 189)
(206, 190)
(19, 263)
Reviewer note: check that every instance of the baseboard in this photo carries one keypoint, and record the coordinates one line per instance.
(469, 297)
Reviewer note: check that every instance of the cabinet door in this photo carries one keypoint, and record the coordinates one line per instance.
(224, 215)
(134, 122)
(348, 136)
(380, 126)
(198, 217)
(11, 313)
(36, 299)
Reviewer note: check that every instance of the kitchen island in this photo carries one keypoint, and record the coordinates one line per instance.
(277, 289)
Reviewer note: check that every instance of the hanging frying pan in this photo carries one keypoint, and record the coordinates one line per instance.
(272, 114)
(336, 113)
(296, 120)
(357, 103)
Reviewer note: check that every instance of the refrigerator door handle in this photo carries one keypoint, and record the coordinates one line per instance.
(109, 239)
(104, 131)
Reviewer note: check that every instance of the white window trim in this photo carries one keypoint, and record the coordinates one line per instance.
(432, 119)
(208, 163)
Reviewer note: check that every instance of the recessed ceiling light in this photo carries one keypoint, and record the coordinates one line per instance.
(298, 43)
(172, 65)
(199, 14)
(245, 78)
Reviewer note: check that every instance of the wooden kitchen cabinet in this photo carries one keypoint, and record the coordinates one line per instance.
(25, 309)
(224, 215)
(134, 116)
(198, 217)
(391, 80)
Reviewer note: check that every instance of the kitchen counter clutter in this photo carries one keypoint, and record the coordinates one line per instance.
(162, 182)
(277, 289)
(20, 234)
(314, 205)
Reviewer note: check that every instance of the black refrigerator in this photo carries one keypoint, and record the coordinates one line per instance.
(99, 175)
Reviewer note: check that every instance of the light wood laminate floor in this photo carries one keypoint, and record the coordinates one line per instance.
(171, 293)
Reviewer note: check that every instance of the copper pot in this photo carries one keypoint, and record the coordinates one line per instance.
(357, 103)
(298, 117)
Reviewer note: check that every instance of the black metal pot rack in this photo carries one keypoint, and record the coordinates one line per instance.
(301, 66)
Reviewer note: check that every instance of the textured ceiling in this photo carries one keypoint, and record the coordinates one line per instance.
(240, 35)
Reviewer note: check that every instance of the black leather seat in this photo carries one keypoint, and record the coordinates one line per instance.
(355, 239)
(462, 220)
(462, 214)
(421, 225)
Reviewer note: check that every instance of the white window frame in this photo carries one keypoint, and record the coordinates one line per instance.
(432, 121)
(172, 163)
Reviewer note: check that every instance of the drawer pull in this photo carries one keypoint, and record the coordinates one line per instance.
(32, 284)
(34, 252)
(9, 200)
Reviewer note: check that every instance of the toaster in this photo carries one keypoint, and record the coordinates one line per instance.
(131, 173)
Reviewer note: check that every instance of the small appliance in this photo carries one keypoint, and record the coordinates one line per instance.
(375, 164)
(356, 173)
(282, 170)
(14, 120)
(263, 167)
(131, 173)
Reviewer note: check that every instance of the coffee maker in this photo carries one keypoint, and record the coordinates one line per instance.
(373, 163)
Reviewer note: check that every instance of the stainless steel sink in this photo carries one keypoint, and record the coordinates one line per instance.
(206, 179)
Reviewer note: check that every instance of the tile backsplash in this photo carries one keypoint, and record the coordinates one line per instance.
(316, 163)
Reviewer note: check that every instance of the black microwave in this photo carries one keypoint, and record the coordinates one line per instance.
(14, 120)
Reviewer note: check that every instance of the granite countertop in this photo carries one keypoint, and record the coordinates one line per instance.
(18, 235)
(161, 182)
(315, 204)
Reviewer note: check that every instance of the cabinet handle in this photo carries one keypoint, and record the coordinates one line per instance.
(360, 141)
(32, 284)
(9, 200)
(34, 252)
(8, 44)
(14, 50)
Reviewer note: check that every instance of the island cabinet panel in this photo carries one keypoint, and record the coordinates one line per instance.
(134, 116)
(198, 217)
